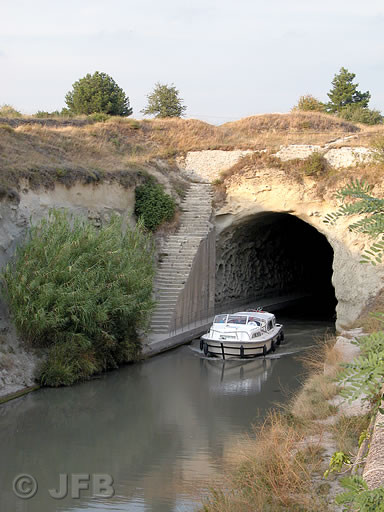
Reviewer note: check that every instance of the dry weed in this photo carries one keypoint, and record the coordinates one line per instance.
(272, 474)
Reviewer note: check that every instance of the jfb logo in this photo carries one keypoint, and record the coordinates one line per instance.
(73, 485)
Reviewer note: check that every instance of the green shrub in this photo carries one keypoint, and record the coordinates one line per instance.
(7, 128)
(99, 117)
(153, 205)
(315, 164)
(309, 103)
(82, 292)
(358, 114)
(9, 111)
(44, 114)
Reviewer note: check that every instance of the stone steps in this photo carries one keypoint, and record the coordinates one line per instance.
(178, 253)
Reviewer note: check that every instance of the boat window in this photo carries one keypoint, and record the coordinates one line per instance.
(270, 325)
(220, 319)
(253, 319)
(256, 334)
(234, 319)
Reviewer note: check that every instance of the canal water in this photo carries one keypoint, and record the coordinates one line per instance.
(164, 429)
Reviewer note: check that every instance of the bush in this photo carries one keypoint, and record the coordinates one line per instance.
(358, 114)
(153, 205)
(43, 114)
(99, 117)
(9, 111)
(309, 103)
(315, 164)
(82, 292)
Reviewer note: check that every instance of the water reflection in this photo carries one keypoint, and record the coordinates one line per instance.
(237, 377)
(163, 428)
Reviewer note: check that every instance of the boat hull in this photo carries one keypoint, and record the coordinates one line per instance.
(226, 349)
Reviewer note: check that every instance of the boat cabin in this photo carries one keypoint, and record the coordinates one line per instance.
(251, 319)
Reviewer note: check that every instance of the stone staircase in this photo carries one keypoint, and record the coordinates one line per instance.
(178, 254)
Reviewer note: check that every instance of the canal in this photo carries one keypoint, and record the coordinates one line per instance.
(164, 429)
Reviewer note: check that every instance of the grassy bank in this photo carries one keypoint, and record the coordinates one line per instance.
(281, 466)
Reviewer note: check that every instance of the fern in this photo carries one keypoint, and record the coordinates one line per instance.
(364, 375)
(361, 202)
(358, 498)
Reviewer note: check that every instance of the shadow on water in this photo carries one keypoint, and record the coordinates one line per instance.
(162, 428)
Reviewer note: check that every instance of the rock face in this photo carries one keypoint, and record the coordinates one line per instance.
(272, 254)
(269, 191)
(208, 164)
(211, 163)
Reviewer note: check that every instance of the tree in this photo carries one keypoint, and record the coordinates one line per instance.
(164, 101)
(344, 92)
(97, 93)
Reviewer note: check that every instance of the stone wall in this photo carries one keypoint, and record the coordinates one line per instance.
(197, 300)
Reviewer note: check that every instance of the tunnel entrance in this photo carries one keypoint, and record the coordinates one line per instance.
(274, 254)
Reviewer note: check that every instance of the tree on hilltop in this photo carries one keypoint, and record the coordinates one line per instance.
(344, 93)
(164, 101)
(97, 93)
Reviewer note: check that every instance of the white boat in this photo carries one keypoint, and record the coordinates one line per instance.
(242, 335)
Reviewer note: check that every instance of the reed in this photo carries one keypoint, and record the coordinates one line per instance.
(82, 293)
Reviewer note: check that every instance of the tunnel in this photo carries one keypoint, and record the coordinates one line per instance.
(271, 255)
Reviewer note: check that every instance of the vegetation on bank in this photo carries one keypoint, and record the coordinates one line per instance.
(81, 293)
(153, 205)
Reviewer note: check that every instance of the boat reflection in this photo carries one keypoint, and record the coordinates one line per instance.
(241, 377)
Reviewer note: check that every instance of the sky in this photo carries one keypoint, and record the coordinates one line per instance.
(228, 58)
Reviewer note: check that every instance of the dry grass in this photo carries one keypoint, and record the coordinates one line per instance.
(311, 403)
(45, 151)
(272, 475)
(324, 357)
(255, 132)
(346, 432)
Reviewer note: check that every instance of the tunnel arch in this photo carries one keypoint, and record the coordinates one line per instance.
(270, 254)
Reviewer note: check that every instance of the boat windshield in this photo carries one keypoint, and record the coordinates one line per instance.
(220, 319)
(237, 319)
(254, 319)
